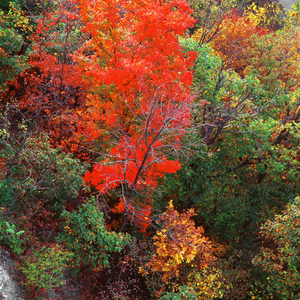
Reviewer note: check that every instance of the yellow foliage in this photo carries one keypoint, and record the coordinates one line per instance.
(293, 16)
(179, 244)
(266, 16)
(208, 283)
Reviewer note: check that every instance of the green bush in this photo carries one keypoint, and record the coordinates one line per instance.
(185, 293)
(13, 27)
(10, 236)
(39, 172)
(279, 257)
(44, 268)
(86, 236)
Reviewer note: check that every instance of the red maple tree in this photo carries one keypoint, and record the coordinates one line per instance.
(139, 103)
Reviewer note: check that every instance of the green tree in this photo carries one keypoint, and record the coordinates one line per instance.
(239, 173)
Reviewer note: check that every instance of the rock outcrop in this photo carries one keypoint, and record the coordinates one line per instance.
(9, 289)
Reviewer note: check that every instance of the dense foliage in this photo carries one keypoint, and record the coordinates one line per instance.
(150, 149)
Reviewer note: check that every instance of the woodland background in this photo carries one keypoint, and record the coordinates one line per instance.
(149, 149)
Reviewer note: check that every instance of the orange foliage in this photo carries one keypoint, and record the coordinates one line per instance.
(233, 43)
(179, 243)
(276, 58)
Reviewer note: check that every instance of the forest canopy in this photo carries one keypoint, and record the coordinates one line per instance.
(150, 149)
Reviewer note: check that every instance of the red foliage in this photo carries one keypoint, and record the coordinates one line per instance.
(51, 90)
(140, 77)
(106, 177)
(138, 216)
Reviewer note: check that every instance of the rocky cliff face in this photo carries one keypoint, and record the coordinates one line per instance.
(9, 289)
